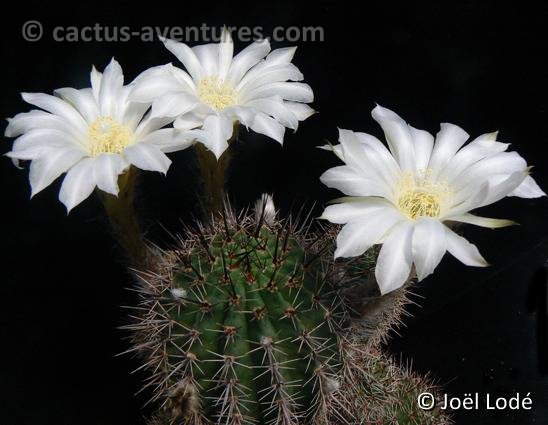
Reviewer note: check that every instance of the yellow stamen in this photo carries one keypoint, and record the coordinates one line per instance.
(217, 93)
(105, 135)
(420, 196)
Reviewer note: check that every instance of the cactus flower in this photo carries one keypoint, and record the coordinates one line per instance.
(257, 88)
(93, 135)
(402, 197)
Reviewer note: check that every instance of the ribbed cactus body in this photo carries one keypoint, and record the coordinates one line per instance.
(246, 328)
(247, 322)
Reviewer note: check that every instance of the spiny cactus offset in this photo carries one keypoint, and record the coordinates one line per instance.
(241, 325)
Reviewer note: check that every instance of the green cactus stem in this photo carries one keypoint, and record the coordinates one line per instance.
(123, 219)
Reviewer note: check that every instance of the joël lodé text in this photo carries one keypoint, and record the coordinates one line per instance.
(476, 401)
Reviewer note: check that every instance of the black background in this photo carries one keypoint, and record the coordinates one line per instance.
(477, 64)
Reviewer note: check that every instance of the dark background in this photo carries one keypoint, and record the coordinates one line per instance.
(481, 65)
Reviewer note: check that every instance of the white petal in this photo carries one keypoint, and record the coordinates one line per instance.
(449, 140)
(298, 92)
(528, 189)
(504, 163)
(39, 138)
(58, 107)
(277, 110)
(188, 122)
(187, 57)
(106, 169)
(463, 250)
(280, 56)
(428, 245)
(146, 90)
(351, 182)
(147, 157)
(226, 51)
(244, 60)
(111, 88)
(263, 124)
(150, 124)
(215, 133)
(78, 184)
(95, 77)
(357, 209)
(397, 135)
(395, 258)
(173, 104)
(358, 236)
(502, 186)
(169, 140)
(82, 100)
(424, 143)
(301, 110)
(208, 56)
(477, 150)
(46, 168)
(491, 223)
(270, 75)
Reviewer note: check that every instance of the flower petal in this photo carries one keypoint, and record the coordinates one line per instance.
(424, 143)
(208, 56)
(491, 223)
(397, 135)
(428, 245)
(395, 258)
(58, 107)
(263, 124)
(269, 75)
(449, 140)
(298, 92)
(463, 250)
(244, 60)
(147, 157)
(106, 169)
(301, 110)
(226, 52)
(78, 184)
(351, 182)
(355, 210)
(277, 110)
(528, 189)
(215, 133)
(46, 168)
(82, 100)
(187, 57)
(169, 140)
(171, 105)
(358, 236)
(110, 92)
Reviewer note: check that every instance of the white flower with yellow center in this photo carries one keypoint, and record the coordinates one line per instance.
(93, 135)
(257, 88)
(401, 197)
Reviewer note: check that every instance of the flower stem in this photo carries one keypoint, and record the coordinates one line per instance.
(213, 173)
(123, 219)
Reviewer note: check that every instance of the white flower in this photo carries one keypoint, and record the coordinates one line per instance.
(401, 197)
(93, 134)
(251, 88)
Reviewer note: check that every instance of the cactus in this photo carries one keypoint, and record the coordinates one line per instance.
(249, 320)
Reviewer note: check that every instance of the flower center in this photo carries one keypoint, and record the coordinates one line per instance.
(420, 196)
(105, 135)
(216, 93)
